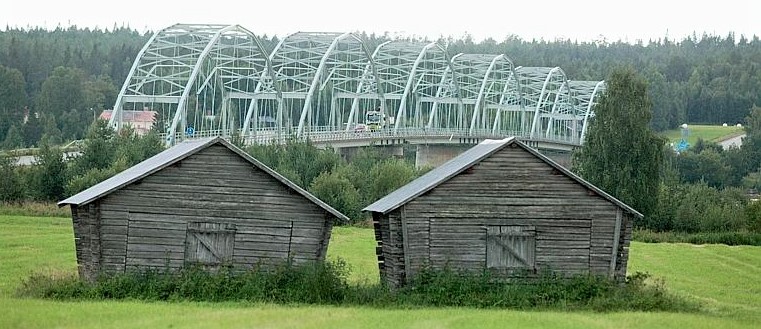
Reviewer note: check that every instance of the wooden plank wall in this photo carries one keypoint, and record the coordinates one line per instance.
(623, 249)
(87, 240)
(392, 270)
(144, 224)
(574, 227)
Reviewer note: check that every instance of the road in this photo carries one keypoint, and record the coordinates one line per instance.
(737, 141)
(28, 160)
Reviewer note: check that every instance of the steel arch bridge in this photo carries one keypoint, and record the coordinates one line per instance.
(220, 80)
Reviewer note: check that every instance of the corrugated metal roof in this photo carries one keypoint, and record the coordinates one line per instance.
(173, 155)
(464, 161)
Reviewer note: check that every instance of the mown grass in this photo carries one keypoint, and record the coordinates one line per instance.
(727, 280)
(706, 132)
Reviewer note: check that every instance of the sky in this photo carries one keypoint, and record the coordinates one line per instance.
(581, 20)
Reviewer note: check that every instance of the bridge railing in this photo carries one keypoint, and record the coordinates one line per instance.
(329, 134)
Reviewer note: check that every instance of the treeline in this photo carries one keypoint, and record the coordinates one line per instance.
(702, 193)
(53, 176)
(51, 81)
(54, 83)
(348, 186)
(710, 189)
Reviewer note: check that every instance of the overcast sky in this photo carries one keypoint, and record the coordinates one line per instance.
(582, 20)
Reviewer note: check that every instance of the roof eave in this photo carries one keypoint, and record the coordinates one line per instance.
(137, 178)
(439, 182)
(580, 180)
(341, 217)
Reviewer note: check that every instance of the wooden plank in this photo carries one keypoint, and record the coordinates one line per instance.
(616, 237)
(243, 246)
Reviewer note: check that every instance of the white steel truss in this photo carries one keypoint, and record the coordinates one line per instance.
(486, 81)
(541, 87)
(220, 80)
(585, 95)
(411, 74)
(202, 67)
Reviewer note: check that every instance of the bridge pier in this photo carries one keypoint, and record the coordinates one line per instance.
(435, 155)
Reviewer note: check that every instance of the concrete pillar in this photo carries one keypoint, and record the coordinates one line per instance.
(436, 155)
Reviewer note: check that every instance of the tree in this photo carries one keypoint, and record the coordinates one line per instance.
(13, 139)
(12, 98)
(338, 192)
(49, 175)
(10, 183)
(621, 154)
(50, 130)
(62, 91)
(99, 150)
(388, 176)
(751, 145)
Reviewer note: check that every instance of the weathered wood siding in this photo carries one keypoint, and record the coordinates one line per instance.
(390, 240)
(146, 223)
(573, 227)
(87, 239)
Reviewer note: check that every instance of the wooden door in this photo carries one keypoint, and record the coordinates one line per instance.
(511, 247)
(209, 244)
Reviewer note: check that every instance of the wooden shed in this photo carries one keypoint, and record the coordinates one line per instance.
(204, 202)
(504, 207)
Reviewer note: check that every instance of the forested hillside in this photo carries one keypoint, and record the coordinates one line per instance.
(67, 76)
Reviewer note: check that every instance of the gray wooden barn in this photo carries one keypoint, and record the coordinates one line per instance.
(505, 207)
(204, 202)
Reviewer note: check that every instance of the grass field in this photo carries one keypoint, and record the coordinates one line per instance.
(707, 133)
(726, 279)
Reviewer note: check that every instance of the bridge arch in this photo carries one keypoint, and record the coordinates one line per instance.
(192, 66)
(585, 95)
(319, 75)
(541, 88)
(217, 79)
(411, 75)
(485, 82)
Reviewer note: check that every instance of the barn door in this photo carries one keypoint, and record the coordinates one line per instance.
(511, 247)
(209, 244)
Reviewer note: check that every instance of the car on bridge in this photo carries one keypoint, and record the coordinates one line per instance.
(361, 128)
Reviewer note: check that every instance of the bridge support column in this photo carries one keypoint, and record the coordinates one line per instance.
(435, 155)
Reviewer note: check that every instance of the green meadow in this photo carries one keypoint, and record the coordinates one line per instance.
(706, 132)
(725, 280)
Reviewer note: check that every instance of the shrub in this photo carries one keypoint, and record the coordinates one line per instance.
(729, 238)
(325, 283)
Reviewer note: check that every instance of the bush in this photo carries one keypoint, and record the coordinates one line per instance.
(312, 283)
(694, 208)
(338, 192)
(728, 238)
(325, 283)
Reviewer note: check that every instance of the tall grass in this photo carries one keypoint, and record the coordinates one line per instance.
(34, 209)
(325, 283)
(735, 238)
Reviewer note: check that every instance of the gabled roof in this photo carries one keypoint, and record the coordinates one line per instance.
(466, 160)
(173, 155)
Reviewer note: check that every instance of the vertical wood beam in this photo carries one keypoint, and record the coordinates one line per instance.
(616, 238)
(405, 246)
